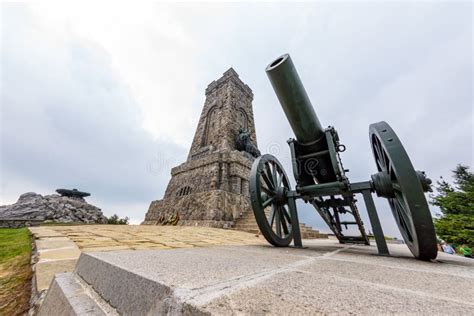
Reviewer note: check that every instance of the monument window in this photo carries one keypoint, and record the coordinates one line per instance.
(242, 119)
(244, 187)
(210, 118)
(184, 191)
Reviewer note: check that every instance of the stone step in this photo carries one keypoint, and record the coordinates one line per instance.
(313, 235)
(68, 296)
(304, 234)
(251, 231)
(245, 226)
(240, 225)
(308, 230)
(246, 222)
(247, 216)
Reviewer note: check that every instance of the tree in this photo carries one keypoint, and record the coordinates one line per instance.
(456, 203)
(115, 220)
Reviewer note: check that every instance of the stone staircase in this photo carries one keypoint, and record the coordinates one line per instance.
(246, 222)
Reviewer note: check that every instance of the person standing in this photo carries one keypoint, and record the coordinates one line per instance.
(447, 248)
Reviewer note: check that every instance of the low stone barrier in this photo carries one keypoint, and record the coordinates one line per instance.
(18, 222)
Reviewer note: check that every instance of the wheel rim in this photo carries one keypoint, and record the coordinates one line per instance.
(405, 194)
(268, 187)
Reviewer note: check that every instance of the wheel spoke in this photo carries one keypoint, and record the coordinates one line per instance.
(377, 149)
(391, 171)
(404, 225)
(278, 223)
(380, 156)
(274, 175)
(396, 187)
(267, 191)
(267, 181)
(267, 202)
(401, 204)
(403, 216)
(283, 221)
(272, 215)
(386, 160)
(383, 155)
(286, 215)
(269, 174)
(379, 165)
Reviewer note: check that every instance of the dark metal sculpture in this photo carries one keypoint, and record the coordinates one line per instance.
(321, 179)
(244, 143)
(74, 193)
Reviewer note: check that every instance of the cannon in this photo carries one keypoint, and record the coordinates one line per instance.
(321, 179)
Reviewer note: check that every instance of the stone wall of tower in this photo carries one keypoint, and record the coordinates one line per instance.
(211, 191)
(212, 187)
(228, 106)
(218, 171)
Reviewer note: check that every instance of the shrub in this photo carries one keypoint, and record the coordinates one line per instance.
(115, 220)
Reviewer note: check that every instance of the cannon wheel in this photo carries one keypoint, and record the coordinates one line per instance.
(407, 199)
(268, 186)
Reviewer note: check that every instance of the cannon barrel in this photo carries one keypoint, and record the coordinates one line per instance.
(294, 100)
(304, 123)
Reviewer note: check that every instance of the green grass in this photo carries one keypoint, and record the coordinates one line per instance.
(15, 271)
(14, 242)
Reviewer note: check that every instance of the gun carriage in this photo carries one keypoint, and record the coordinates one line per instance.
(322, 182)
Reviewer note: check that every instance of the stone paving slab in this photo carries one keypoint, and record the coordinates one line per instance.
(45, 271)
(54, 243)
(59, 254)
(56, 254)
(324, 278)
(59, 247)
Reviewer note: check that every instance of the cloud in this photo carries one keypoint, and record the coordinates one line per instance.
(67, 121)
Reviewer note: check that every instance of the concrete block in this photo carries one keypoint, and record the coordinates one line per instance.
(66, 296)
(149, 282)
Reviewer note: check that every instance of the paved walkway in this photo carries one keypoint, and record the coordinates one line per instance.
(225, 272)
(59, 247)
(323, 278)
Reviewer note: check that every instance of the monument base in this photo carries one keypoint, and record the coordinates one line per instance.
(216, 208)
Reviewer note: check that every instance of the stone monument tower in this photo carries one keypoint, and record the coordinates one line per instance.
(211, 188)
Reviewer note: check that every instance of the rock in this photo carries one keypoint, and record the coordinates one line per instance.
(28, 196)
(53, 207)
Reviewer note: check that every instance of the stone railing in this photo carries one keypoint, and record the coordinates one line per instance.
(18, 222)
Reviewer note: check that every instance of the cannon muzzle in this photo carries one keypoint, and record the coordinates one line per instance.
(294, 100)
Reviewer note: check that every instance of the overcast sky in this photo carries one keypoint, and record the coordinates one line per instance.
(106, 97)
